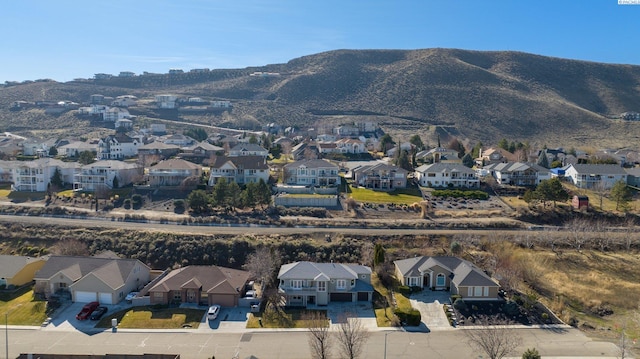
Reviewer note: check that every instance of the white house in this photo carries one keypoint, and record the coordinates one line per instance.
(101, 175)
(446, 175)
(118, 146)
(114, 114)
(35, 176)
(518, 173)
(248, 149)
(125, 101)
(311, 173)
(166, 101)
(590, 176)
(241, 169)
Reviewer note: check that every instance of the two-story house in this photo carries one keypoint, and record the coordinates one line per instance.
(102, 175)
(309, 283)
(241, 169)
(172, 172)
(438, 154)
(35, 176)
(311, 173)
(380, 176)
(446, 175)
(156, 151)
(591, 176)
(114, 114)
(518, 173)
(118, 147)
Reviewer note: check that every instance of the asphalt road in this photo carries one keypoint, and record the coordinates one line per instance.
(192, 229)
(292, 345)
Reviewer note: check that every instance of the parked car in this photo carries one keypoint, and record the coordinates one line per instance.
(130, 297)
(86, 311)
(213, 312)
(98, 313)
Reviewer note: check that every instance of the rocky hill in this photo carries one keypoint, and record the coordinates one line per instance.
(474, 95)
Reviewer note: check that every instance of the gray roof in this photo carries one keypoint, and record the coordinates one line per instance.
(211, 279)
(251, 147)
(157, 145)
(116, 165)
(316, 163)
(10, 265)
(515, 167)
(242, 162)
(113, 272)
(175, 164)
(311, 270)
(464, 272)
(599, 169)
(441, 167)
(380, 167)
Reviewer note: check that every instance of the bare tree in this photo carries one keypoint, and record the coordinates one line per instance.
(320, 340)
(352, 336)
(263, 264)
(70, 247)
(493, 338)
(366, 254)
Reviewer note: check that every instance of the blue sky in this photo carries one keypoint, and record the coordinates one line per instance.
(65, 39)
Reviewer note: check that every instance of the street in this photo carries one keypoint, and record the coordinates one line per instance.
(291, 344)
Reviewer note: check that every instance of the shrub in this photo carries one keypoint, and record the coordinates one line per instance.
(411, 317)
(511, 308)
(403, 289)
(136, 201)
(455, 297)
(127, 203)
(460, 305)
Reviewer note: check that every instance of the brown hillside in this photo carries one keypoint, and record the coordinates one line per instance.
(486, 95)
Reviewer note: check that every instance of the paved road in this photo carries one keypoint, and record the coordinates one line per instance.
(291, 344)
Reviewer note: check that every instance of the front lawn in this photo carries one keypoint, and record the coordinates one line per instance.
(153, 317)
(23, 309)
(397, 196)
(288, 318)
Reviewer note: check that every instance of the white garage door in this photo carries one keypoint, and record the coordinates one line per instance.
(105, 298)
(85, 297)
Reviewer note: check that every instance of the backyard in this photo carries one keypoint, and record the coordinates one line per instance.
(398, 196)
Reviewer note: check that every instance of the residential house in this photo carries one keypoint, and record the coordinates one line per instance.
(633, 176)
(38, 148)
(35, 176)
(305, 150)
(592, 176)
(202, 285)
(118, 147)
(101, 175)
(241, 169)
(104, 279)
(446, 175)
(114, 114)
(311, 173)
(248, 149)
(75, 148)
(172, 172)
(179, 140)
(404, 146)
(125, 101)
(351, 145)
(438, 154)
(166, 101)
(124, 123)
(19, 270)
(495, 155)
(518, 173)
(447, 273)
(380, 176)
(201, 151)
(156, 151)
(309, 283)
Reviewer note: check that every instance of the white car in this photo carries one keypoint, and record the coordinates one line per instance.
(213, 312)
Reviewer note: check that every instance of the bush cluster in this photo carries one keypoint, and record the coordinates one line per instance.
(408, 317)
(458, 193)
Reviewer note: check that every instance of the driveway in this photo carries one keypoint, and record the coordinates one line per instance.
(361, 310)
(429, 303)
(229, 320)
(65, 317)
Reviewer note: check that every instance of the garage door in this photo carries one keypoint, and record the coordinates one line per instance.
(105, 298)
(363, 296)
(340, 297)
(85, 297)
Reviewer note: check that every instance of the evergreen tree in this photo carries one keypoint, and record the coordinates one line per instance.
(53, 151)
(220, 192)
(56, 179)
(621, 194)
(249, 195)
(416, 141)
(87, 157)
(467, 160)
(531, 354)
(504, 144)
(543, 161)
(264, 193)
(233, 196)
(378, 254)
(198, 201)
(403, 161)
(115, 183)
(475, 152)
(551, 190)
(253, 139)
(386, 142)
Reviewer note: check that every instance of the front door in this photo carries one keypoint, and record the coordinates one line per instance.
(191, 296)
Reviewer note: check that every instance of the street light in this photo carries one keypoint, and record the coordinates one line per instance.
(6, 334)
(385, 343)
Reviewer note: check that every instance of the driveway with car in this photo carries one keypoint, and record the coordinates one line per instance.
(429, 303)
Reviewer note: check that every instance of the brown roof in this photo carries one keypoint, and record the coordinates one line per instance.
(176, 164)
(212, 279)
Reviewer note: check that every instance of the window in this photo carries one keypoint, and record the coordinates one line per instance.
(478, 292)
(413, 281)
(322, 286)
(177, 295)
(486, 291)
(296, 284)
(440, 280)
(158, 295)
(342, 284)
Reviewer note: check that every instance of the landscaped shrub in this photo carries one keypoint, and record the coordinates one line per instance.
(458, 193)
(411, 318)
(511, 308)
(127, 203)
(403, 289)
(136, 201)
(460, 305)
(455, 297)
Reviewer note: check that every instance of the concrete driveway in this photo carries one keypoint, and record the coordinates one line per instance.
(361, 310)
(429, 303)
(65, 317)
(229, 320)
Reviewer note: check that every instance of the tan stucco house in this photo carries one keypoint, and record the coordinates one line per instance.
(447, 273)
(203, 285)
(19, 270)
(87, 279)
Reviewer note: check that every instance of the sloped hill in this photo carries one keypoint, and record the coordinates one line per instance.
(485, 95)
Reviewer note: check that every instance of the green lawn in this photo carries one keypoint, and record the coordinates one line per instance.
(309, 195)
(290, 318)
(23, 309)
(398, 196)
(148, 317)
